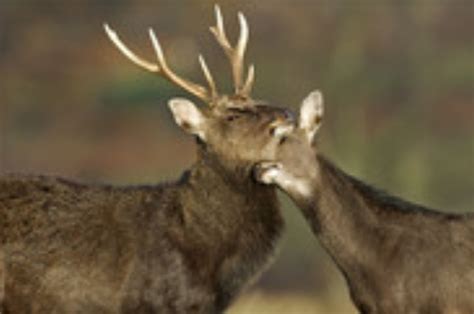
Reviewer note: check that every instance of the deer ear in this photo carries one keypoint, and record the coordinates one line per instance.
(188, 116)
(311, 114)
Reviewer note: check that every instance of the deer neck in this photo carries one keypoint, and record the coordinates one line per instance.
(227, 192)
(340, 216)
(234, 221)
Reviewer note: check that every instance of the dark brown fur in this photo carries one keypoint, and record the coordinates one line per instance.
(397, 257)
(184, 247)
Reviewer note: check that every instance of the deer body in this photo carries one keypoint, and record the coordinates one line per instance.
(187, 247)
(183, 247)
(397, 257)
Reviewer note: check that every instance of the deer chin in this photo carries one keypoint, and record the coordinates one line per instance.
(274, 173)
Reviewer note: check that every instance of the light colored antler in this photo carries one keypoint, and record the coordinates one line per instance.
(208, 76)
(235, 55)
(162, 67)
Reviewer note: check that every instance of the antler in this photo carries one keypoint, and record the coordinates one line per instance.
(235, 55)
(162, 67)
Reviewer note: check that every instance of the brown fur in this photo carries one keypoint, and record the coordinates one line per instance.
(183, 247)
(397, 257)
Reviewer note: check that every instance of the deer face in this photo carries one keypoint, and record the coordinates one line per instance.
(236, 129)
(236, 132)
(294, 168)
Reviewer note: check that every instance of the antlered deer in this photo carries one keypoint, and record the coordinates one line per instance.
(397, 257)
(183, 247)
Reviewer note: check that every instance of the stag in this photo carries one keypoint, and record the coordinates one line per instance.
(184, 247)
(397, 257)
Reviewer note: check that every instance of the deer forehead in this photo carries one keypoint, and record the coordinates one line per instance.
(295, 150)
(251, 114)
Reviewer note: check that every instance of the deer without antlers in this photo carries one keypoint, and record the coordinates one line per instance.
(397, 257)
(183, 247)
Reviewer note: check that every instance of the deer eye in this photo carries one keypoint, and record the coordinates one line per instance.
(232, 118)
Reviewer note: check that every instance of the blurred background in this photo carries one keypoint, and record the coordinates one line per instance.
(398, 80)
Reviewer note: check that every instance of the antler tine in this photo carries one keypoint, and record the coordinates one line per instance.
(243, 38)
(249, 81)
(128, 53)
(193, 88)
(208, 76)
(235, 55)
(219, 31)
(162, 67)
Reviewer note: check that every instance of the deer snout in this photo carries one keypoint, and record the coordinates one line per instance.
(266, 172)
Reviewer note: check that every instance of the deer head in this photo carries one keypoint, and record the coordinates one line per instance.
(235, 128)
(294, 168)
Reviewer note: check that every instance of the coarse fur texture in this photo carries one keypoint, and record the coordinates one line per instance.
(183, 247)
(396, 256)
